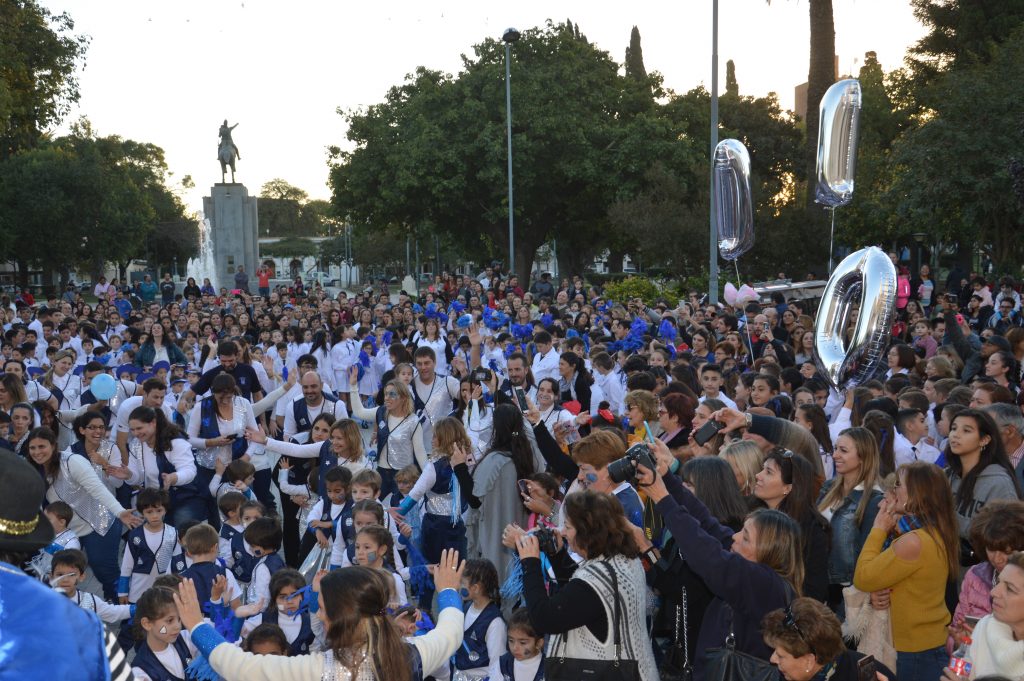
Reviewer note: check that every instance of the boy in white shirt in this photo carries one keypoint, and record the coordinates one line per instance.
(909, 444)
(711, 382)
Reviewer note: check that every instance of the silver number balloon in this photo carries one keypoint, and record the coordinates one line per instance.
(838, 130)
(865, 280)
(733, 207)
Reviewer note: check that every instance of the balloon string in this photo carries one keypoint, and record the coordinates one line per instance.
(831, 240)
(739, 285)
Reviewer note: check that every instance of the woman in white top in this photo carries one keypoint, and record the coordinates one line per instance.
(343, 448)
(102, 453)
(399, 431)
(161, 457)
(364, 644)
(432, 338)
(476, 415)
(66, 387)
(547, 401)
(71, 478)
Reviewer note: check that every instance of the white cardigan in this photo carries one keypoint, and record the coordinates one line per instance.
(235, 665)
(83, 474)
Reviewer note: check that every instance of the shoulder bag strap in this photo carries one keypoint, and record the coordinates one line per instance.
(618, 612)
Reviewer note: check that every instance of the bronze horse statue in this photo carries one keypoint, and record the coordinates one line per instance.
(227, 152)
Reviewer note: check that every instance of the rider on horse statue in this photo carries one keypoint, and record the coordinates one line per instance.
(227, 152)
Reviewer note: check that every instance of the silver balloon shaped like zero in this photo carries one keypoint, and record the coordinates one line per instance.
(734, 210)
(866, 280)
(838, 132)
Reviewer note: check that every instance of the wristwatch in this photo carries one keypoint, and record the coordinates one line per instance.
(750, 420)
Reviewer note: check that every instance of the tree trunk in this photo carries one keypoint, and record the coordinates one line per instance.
(820, 76)
(525, 254)
(22, 273)
(615, 256)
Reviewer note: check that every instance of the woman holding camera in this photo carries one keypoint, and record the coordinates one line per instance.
(604, 599)
(750, 572)
(593, 455)
(807, 643)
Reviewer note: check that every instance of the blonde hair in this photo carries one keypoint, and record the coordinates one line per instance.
(449, 432)
(780, 545)
(353, 439)
(404, 396)
(747, 459)
(599, 448)
(867, 451)
(645, 400)
(67, 353)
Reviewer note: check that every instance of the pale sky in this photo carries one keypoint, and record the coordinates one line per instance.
(170, 72)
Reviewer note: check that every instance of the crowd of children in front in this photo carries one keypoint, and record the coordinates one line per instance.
(253, 598)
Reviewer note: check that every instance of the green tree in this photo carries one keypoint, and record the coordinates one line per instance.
(731, 86)
(82, 200)
(39, 55)
(634, 63)
(960, 32)
(431, 157)
(286, 211)
(951, 174)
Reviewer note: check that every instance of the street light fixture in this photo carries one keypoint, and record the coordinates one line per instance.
(510, 36)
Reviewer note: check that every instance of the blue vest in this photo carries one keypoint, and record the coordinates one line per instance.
(148, 662)
(344, 520)
(244, 561)
(88, 398)
(475, 639)
(143, 557)
(178, 493)
(272, 562)
(300, 646)
(227, 532)
(179, 564)
(203, 576)
(209, 428)
(505, 664)
(325, 462)
(300, 410)
(443, 481)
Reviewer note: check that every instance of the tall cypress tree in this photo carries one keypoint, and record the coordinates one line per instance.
(731, 86)
(635, 57)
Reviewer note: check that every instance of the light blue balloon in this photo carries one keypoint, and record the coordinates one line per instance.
(103, 387)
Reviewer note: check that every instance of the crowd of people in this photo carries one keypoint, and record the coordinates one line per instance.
(487, 482)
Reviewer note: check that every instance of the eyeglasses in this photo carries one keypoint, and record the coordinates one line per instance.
(790, 623)
(391, 395)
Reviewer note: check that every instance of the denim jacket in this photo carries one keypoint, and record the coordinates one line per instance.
(847, 537)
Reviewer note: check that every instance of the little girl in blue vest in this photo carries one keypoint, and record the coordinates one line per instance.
(150, 549)
(441, 526)
(484, 638)
(165, 651)
(374, 548)
(524, 660)
(264, 536)
(285, 610)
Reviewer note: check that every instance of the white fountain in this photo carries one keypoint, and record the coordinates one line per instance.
(204, 266)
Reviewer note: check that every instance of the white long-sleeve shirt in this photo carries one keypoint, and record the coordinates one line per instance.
(343, 356)
(241, 413)
(144, 469)
(545, 366)
(233, 664)
(107, 612)
(140, 582)
(80, 472)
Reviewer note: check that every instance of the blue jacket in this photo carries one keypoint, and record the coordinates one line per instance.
(847, 536)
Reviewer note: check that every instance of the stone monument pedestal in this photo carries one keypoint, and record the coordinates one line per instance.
(235, 226)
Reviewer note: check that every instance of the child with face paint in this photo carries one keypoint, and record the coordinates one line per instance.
(484, 638)
(165, 651)
(67, 572)
(287, 610)
(374, 548)
(524, 660)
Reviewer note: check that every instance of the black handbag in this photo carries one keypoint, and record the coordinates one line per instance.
(675, 666)
(561, 668)
(729, 664)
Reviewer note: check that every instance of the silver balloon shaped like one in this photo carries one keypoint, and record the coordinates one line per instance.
(734, 209)
(865, 280)
(838, 131)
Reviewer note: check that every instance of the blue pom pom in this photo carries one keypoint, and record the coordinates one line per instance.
(546, 319)
(200, 670)
(667, 330)
(464, 321)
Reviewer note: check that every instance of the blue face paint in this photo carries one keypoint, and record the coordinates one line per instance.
(464, 592)
(591, 478)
